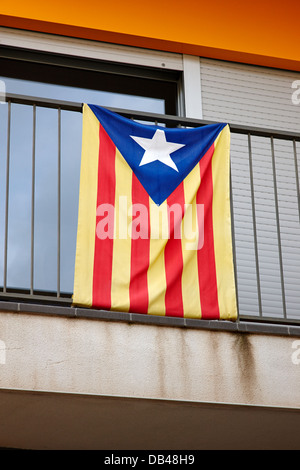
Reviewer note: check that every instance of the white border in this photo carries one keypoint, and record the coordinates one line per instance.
(192, 86)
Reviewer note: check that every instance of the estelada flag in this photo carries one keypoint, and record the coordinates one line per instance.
(154, 222)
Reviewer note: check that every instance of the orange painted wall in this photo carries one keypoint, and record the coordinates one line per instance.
(263, 32)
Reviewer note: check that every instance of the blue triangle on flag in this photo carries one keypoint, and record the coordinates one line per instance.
(157, 177)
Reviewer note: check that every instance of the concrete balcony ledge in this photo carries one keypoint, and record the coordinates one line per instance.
(240, 326)
(70, 350)
(123, 369)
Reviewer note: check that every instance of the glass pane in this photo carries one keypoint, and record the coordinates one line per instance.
(46, 192)
(81, 95)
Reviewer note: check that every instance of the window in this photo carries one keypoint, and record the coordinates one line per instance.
(40, 157)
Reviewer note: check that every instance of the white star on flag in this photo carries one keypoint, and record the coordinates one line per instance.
(157, 148)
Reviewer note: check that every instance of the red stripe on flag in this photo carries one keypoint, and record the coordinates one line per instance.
(206, 255)
(104, 247)
(140, 249)
(173, 254)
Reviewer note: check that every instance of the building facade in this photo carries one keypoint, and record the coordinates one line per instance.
(75, 378)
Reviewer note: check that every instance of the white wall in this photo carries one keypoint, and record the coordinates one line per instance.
(249, 95)
(96, 357)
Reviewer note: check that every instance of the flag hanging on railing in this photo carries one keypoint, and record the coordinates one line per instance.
(154, 224)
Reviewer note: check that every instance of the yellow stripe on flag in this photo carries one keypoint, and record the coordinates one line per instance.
(222, 227)
(122, 239)
(156, 273)
(190, 237)
(84, 262)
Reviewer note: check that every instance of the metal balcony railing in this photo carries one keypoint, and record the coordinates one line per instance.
(245, 140)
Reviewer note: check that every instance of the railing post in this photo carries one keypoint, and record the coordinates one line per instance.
(32, 201)
(278, 227)
(6, 197)
(58, 200)
(254, 225)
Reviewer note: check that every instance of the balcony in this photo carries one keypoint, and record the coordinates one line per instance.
(75, 378)
(265, 213)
